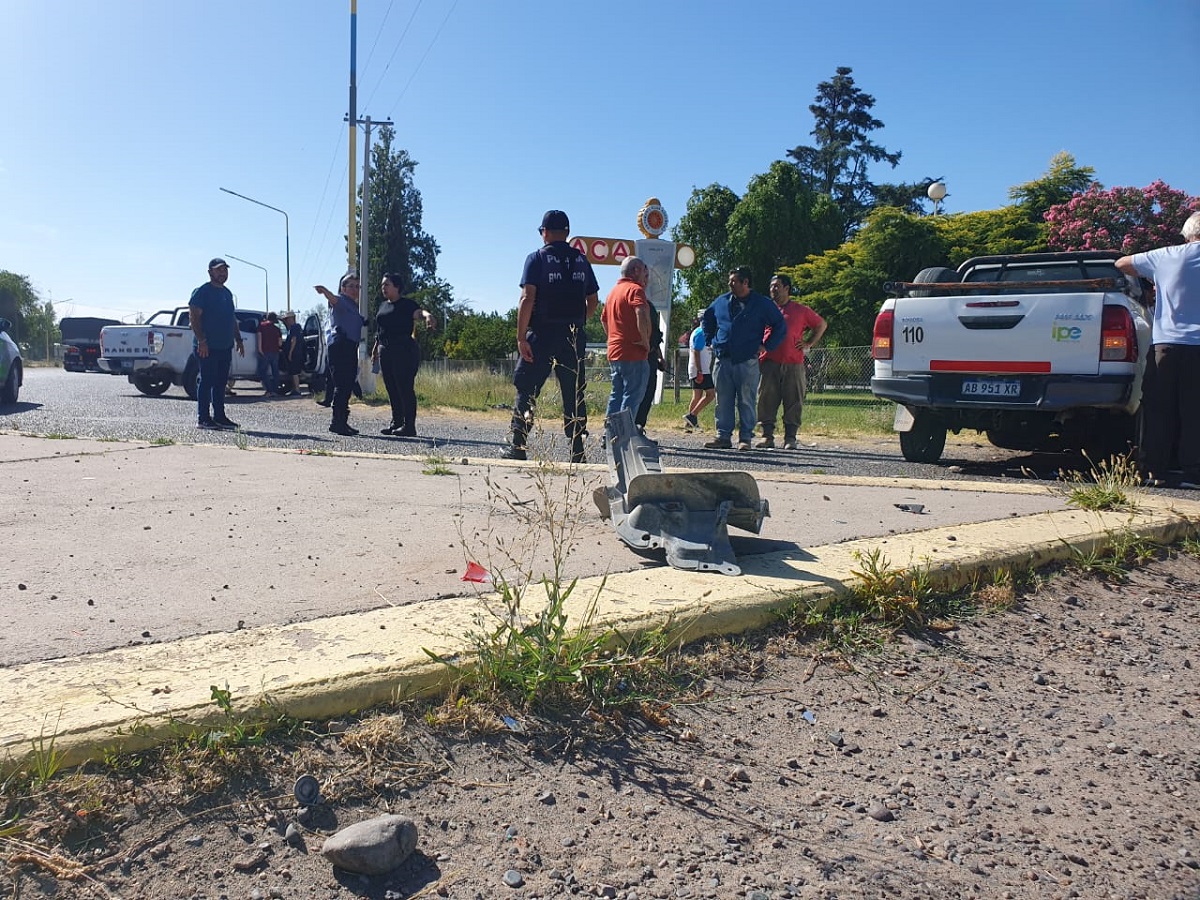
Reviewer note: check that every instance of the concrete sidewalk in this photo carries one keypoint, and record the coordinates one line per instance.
(320, 581)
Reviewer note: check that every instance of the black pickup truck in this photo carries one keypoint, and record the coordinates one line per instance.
(81, 342)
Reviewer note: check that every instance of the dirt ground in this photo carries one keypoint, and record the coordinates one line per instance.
(1047, 750)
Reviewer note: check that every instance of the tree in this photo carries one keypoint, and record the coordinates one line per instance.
(910, 196)
(34, 321)
(845, 285)
(1062, 181)
(837, 161)
(482, 336)
(1127, 219)
(704, 226)
(989, 232)
(779, 222)
(397, 241)
(437, 296)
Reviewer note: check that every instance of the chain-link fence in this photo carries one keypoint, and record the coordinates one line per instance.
(839, 385)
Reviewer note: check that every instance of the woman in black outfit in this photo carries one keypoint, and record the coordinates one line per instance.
(398, 354)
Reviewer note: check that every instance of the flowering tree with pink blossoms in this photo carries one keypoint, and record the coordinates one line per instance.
(1127, 219)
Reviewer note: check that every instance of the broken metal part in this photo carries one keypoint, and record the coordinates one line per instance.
(684, 513)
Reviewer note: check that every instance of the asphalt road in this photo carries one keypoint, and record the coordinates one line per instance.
(108, 407)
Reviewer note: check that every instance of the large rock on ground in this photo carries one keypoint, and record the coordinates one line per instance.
(372, 847)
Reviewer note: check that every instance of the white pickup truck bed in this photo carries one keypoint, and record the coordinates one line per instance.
(1039, 351)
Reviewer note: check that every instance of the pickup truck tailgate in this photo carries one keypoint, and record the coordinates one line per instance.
(999, 333)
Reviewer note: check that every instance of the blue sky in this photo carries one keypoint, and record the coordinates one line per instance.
(125, 117)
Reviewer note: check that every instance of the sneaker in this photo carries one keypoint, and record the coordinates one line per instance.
(743, 445)
(226, 424)
(514, 453)
(719, 443)
(207, 425)
(690, 422)
(325, 403)
(766, 443)
(389, 431)
(1154, 482)
(790, 444)
(344, 430)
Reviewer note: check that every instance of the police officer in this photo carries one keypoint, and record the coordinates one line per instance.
(559, 293)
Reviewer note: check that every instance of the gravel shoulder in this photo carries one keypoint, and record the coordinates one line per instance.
(1047, 749)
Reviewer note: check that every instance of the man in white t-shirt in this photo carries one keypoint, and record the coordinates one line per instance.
(1170, 392)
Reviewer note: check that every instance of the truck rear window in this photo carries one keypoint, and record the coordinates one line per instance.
(1045, 271)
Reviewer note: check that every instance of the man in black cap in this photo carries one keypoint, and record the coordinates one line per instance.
(559, 293)
(215, 328)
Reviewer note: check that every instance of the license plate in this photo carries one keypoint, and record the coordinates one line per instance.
(991, 387)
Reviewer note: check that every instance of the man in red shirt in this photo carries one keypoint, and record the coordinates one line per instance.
(270, 340)
(783, 379)
(626, 318)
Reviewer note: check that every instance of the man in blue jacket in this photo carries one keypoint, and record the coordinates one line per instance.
(734, 324)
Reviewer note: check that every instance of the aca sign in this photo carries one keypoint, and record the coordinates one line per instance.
(603, 251)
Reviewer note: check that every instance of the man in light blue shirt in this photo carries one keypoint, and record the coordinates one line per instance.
(1171, 385)
(346, 324)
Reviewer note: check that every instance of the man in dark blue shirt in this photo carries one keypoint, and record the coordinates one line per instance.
(559, 293)
(215, 329)
(734, 324)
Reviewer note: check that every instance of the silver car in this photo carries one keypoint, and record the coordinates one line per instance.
(12, 371)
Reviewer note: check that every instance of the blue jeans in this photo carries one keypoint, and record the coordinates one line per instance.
(268, 371)
(210, 392)
(629, 380)
(737, 386)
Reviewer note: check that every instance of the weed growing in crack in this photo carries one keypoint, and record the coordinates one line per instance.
(436, 464)
(1113, 558)
(539, 644)
(1106, 486)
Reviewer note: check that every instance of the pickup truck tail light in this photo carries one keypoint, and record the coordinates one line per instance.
(881, 338)
(1118, 339)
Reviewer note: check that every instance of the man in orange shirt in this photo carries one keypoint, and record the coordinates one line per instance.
(783, 379)
(626, 318)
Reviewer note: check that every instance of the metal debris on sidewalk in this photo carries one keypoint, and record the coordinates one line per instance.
(684, 513)
(917, 508)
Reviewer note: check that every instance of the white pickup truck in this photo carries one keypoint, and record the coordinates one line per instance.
(158, 354)
(1040, 351)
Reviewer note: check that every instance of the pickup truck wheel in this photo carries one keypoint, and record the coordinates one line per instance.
(191, 378)
(926, 441)
(12, 386)
(151, 387)
(935, 275)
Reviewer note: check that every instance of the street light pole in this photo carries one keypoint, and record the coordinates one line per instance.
(937, 193)
(287, 240)
(266, 279)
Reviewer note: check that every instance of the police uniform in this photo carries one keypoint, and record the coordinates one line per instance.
(563, 279)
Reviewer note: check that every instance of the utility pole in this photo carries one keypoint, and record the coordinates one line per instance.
(366, 377)
(352, 118)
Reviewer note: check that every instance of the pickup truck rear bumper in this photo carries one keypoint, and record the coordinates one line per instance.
(1052, 393)
(115, 365)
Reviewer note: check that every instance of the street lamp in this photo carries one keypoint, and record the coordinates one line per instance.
(287, 241)
(266, 280)
(936, 192)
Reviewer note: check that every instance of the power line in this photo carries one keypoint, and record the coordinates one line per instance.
(425, 55)
(325, 191)
(395, 50)
(378, 32)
